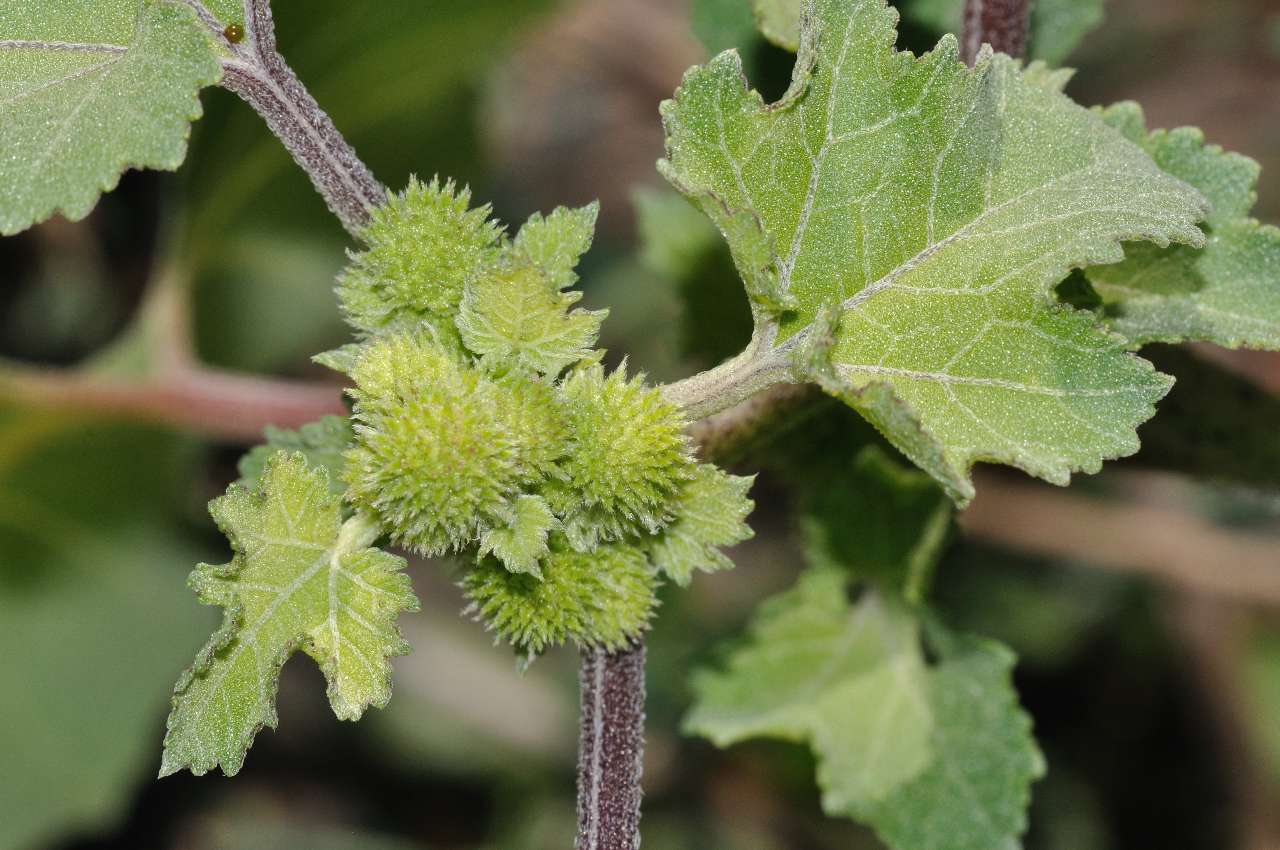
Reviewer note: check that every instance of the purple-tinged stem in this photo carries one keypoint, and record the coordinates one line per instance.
(611, 749)
(260, 76)
(1001, 23)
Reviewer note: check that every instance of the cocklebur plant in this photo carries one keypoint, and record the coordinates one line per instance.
(902, 226)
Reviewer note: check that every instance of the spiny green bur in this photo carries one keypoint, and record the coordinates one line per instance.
(485, 426)
(570, 492)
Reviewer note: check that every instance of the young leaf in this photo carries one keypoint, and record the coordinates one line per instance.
(521, 318)
(1227, 292)
(322, 443)
(89, 89)
(300, 579)
(934, 206)
(553, 245)
(521, 544)
(711, 512)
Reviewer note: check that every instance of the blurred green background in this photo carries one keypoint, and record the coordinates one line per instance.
(1143, 604)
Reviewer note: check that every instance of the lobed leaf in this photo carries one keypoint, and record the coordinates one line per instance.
(300, 579)
(933, 207)
(523, 543)
(711, 512)
(88, 90)
(929, 756)
(554, 244)
(1227, 292)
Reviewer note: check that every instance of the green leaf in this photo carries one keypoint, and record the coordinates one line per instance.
(711, 512)
(933, 207)
(928, 756)
(1057, 26)
(520, 545)
(779, 21)
(722, 24)
(300, 579)
(1227, 292)
(553, 245)
(521, 318)
(321, 442)
(849, 679)
(90, 89)
(878, 521)
(975, 792)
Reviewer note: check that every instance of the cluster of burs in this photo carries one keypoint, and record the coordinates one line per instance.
(486, 427)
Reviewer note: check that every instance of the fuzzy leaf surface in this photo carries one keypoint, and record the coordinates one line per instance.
(300, 579)
(927, 210)
(522, 318)
(1227, 292)
(89, 88)
(553, 244)
(711, 512)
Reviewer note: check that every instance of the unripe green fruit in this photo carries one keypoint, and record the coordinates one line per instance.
(628, 459)
(603, 599)
(425, 245)
(441, 449)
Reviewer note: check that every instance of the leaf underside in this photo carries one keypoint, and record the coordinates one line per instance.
(89, 89)
(927, 210)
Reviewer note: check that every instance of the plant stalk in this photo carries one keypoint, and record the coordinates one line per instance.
(260, 76)
(1001, 23)
(611, 749)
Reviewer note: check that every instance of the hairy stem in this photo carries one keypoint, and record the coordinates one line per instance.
(708, 393)
(1001, 23)
(611, 749)
(259, 75)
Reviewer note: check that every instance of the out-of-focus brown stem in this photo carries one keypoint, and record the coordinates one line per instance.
(217, 404)
(1001, 23)
(1176, 547)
